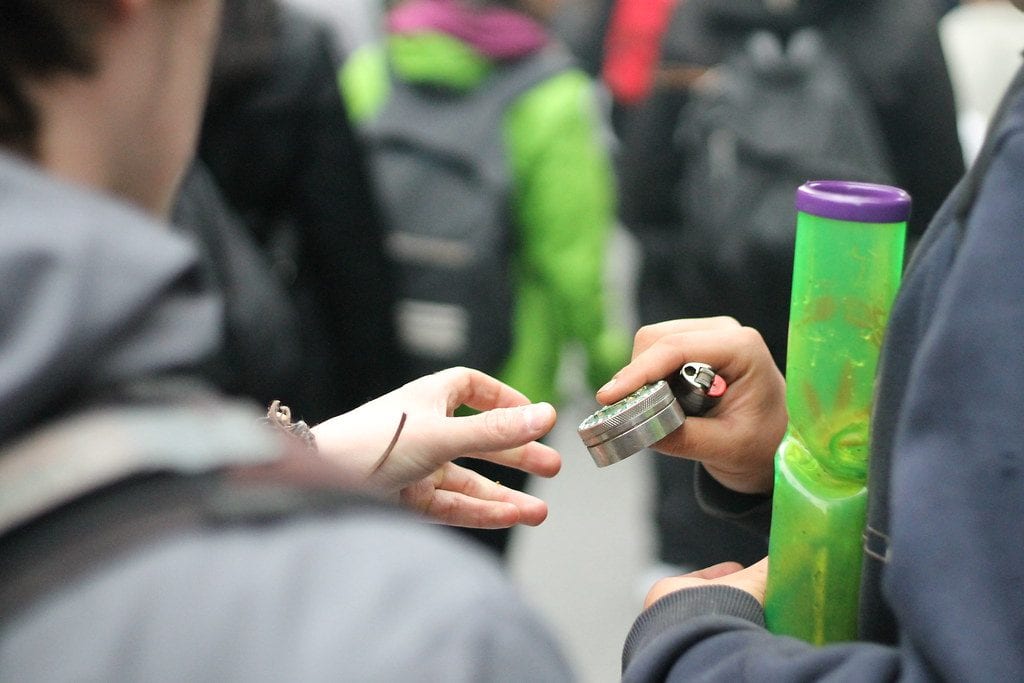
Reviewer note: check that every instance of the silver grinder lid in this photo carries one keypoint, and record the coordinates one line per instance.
(632, 424)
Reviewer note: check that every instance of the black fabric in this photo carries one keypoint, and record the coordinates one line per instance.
(279, 143)
(584, 28)
(677, 541)
(894, 51)
(262, 356)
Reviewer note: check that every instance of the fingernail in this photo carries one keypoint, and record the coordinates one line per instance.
(608, 386)
(537, 415)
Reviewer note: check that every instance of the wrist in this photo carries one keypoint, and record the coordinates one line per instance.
(361, 442)
(725, 500)
(279, 417)
(757, 482)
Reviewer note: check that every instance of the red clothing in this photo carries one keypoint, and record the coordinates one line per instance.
(632, 47)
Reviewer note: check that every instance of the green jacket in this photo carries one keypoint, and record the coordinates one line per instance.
(564, 196)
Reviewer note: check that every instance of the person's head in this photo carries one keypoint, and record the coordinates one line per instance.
(107, 93)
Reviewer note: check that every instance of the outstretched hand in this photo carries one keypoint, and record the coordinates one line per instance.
(753, 580)
(418, 467)
(736, 440)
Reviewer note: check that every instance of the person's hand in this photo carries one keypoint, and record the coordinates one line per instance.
(752, 580)
(736, 440)
(418, 467)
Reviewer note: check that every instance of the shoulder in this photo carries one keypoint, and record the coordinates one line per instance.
(369, 594)
(997, 203)
(561, 115)
(569, 93)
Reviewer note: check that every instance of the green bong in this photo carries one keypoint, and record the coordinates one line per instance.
(847, 264)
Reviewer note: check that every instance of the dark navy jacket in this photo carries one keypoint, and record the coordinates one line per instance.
(946, 505)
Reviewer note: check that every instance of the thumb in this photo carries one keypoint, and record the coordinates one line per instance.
(717, 571)
(753, 579)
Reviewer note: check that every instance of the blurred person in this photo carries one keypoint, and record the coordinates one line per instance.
(941, 594)
(893, 52)
(632, 44)
(982, 41)
(452, 53)
(277, 141)
(153, 528)
(617, 42)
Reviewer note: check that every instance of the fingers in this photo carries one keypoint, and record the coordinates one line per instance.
(460, 497)
(701, 577)
(505, 432)
(648, 334)
(662, 350)
(535, 458)
(752, 580)
(499, 434)
(716, 571)
(663, 587)
(477, 390)
(737, 439)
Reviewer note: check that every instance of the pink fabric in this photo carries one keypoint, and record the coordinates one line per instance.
(496, 32)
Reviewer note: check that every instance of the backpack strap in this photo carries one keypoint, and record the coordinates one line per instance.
(84, 490)
(82, 536)
(89, 450)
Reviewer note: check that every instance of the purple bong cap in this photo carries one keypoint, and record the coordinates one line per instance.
(846, 200)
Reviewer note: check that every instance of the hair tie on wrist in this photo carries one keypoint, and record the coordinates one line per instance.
(391, 446)
(280, 417)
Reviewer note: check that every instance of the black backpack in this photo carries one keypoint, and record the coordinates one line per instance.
(442, 175)
(754, 128)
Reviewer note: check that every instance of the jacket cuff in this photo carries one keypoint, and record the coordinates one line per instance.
(751, 510)
(688, 603)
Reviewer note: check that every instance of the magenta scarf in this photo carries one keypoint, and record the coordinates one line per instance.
(496, 32)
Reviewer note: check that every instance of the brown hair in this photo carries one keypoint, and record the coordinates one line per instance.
(40, 39)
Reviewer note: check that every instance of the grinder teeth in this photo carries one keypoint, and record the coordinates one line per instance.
(625, 414)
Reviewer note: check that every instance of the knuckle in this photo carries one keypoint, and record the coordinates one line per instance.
(643, 334)
(498, 424)
(749, 335)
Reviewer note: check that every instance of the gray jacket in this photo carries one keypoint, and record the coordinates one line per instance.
(100, 297)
